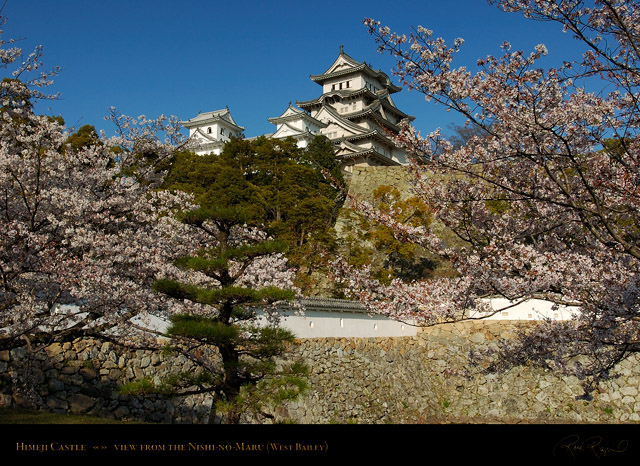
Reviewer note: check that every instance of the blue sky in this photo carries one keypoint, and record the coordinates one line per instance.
(179, 57)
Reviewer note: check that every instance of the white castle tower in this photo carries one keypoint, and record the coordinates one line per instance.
(211, 130)
(358, 113)
(355, 111)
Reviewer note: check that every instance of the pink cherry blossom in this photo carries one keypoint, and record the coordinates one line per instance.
(546, 201)
(85, 233)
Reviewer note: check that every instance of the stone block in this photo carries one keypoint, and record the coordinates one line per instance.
(17, 354)
(76, 380)
(79, 403)
(53, 350)
(70, 369)
(57, 405)
(629, 391)
(628, 400)
(88, 373)
(121, 412)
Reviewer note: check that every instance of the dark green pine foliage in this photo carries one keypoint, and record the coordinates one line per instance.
(85, 136)
(245, 375)
(276, 185)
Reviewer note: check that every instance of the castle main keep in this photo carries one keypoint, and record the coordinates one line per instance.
(355, 111)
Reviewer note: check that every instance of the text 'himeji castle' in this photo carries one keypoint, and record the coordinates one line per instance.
(355, 111)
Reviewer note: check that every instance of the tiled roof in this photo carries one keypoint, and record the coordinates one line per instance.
(332, 304)
(211, 117)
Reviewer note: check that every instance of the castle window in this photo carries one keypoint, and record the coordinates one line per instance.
(209, 130)
(348, 84)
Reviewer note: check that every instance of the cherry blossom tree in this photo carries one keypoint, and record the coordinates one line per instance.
(544, 197)
(93, 245)
(81, 241)
(83, 231)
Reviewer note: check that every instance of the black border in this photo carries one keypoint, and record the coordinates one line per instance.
(561, 442)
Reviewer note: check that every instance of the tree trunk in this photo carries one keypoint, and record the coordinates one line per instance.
(214, 418)
(230, 389)
(231, 417)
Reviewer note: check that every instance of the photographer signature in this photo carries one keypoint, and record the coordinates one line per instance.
(573, 445)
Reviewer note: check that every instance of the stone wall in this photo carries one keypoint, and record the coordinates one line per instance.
(362, 183)
(84, 377)
(353, 380)
(364, 180)
(417, 380)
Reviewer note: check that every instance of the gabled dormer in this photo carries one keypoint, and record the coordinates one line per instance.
(346, 73)
(297, 124)
(299, 119)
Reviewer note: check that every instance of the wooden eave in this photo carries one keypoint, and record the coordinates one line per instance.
(217, 116)
(371, 112)
(374, 134)
(385, 101)
(296, 131)
(344, 94)
(369, 153)
(343, 56)
(210, 121)
(377, 100)
(347, 144)
(206, 136)
(302, 115)
(341, 121)
(362, 68)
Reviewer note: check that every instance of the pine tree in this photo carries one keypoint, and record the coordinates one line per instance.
(280, 187)
(242, 275)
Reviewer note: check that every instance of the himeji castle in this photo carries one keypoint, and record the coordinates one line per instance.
(355, 111)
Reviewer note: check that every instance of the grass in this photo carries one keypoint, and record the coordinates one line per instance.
(27, 416)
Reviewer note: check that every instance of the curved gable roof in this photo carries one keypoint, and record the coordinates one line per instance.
(344, 65)
(215, 116)
(292, 113)
(338, 120)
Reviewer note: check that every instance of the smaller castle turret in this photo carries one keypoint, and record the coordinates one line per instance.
(211, 130)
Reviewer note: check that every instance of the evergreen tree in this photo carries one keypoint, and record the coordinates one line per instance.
(281, 187)
(238, 273)
(85, 136)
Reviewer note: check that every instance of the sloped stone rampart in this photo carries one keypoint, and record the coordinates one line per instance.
(83, 377)
(422, 379)
(353, 380)
(364, 180)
